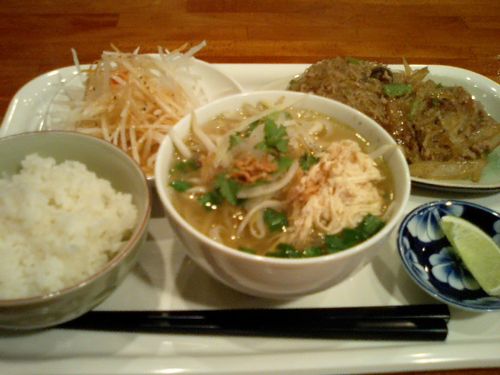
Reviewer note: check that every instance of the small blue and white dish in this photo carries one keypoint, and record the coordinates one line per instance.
(428, 259)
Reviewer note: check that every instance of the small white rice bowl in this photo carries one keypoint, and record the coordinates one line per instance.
(74, 212)
(59, 224)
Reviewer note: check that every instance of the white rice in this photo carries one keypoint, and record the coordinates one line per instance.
(59, 224)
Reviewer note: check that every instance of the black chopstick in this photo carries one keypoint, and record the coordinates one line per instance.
(413, 322)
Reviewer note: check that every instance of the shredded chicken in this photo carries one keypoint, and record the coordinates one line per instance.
(336, 193)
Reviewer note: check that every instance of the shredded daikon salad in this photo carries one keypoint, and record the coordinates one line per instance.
(280, 181)
(132, 99)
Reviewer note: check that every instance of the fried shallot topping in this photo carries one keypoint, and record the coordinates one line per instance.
(249, 169)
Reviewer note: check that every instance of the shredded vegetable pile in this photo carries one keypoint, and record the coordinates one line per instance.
(443, 131)
(132, 100)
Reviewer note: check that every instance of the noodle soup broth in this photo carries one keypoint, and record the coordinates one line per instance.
(280, 181)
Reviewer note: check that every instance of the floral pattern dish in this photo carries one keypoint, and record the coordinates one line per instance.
(430, 261)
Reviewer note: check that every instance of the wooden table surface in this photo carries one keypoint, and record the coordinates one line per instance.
(36, 36)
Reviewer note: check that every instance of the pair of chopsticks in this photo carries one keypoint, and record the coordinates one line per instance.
(412, 322)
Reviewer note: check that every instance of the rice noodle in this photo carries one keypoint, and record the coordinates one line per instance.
(196, 190)
(258, 227)
(316, 128)
(261, 206)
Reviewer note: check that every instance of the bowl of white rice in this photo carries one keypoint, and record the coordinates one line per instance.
(74, 211)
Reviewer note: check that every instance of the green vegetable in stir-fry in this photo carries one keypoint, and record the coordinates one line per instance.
(395, 90)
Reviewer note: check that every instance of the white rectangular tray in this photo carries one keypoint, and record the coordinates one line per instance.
(166, 279)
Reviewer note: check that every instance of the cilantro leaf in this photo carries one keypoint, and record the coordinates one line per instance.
(227, 188)
(210, 199)
(332, 243)
(284, 163)
(335, 243)
(180, 185)
(284, 250)
(188, 165)
(262, 146)
(307, 160)
(252, 127)
(370, 225)
(312, 252)
(352, 236)
(275, 136)
(282, 145)
(275, 220)
(234, 140)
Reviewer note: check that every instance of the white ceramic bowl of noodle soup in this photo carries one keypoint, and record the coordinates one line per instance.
(280, 278)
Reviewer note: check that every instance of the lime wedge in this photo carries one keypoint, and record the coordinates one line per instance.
(478, 251)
